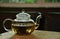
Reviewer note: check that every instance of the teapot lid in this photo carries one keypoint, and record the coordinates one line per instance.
(23, 17)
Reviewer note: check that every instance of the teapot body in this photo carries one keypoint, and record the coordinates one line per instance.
(23, 24)
(23, 27)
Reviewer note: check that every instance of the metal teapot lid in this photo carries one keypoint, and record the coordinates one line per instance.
(23, 17)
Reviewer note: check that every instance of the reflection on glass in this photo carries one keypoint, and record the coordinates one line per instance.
(30, 1)
(4, 0)
(19, 1)
(49, 1)
(52, 1)
(58, 0)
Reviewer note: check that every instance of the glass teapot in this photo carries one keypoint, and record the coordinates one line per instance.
(23, 24)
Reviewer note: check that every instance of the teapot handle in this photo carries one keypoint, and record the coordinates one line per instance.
(8, 19)
(36, 23)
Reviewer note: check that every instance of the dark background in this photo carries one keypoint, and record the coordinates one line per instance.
(50, 20)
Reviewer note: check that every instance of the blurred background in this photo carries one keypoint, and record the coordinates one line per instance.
(49, 9)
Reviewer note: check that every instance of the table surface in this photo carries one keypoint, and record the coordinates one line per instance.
(37, 34)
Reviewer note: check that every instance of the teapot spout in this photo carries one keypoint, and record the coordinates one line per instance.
(38, 18)
(37, 22)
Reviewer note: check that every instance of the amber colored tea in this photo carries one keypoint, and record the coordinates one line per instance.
(23, 29)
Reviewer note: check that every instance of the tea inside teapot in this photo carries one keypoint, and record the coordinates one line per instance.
(23, 28)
